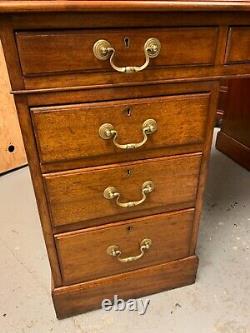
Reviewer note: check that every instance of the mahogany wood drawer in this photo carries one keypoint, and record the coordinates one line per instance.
(71, 132)
(86, 255)
(78, 196)
(71, 51)
(238, 45)
(117, 102)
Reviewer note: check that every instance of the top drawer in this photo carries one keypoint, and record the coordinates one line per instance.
(238, 45)
(49, 52)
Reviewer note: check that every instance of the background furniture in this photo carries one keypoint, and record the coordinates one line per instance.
(12, 153)
(117, 103)
(234, 137)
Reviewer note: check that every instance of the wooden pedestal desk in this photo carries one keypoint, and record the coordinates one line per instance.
(117, 102)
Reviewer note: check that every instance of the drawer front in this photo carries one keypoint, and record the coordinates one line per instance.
(79, 196)
(72, 50)
(83, 255)
(72, 132)
(238, 45)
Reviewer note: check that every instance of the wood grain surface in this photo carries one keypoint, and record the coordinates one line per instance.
(61, 78)
(77, 196)
(78, 298)
(71, 132)
(120, 5)
(234, 137)
(238, 49)
(72, 50)
(83, 254)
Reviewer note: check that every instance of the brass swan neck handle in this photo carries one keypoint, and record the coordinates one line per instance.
(111, 193)
(107, 131)
(114, 251)
(103, 50)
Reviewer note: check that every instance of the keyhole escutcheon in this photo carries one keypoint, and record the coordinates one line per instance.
(126, 42)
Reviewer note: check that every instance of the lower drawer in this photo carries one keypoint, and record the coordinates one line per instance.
(107, 250)
(102, 195)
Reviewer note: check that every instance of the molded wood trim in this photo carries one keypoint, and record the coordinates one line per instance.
(106, 5)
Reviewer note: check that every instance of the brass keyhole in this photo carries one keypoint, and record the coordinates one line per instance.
(126, 42)
(128, 111)
(129, 172)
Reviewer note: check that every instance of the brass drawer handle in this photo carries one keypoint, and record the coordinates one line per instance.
(107, 131)
(103, 50)
(114, 251)
(111, 193)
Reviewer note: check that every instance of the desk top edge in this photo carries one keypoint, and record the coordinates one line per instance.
(121, 5)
